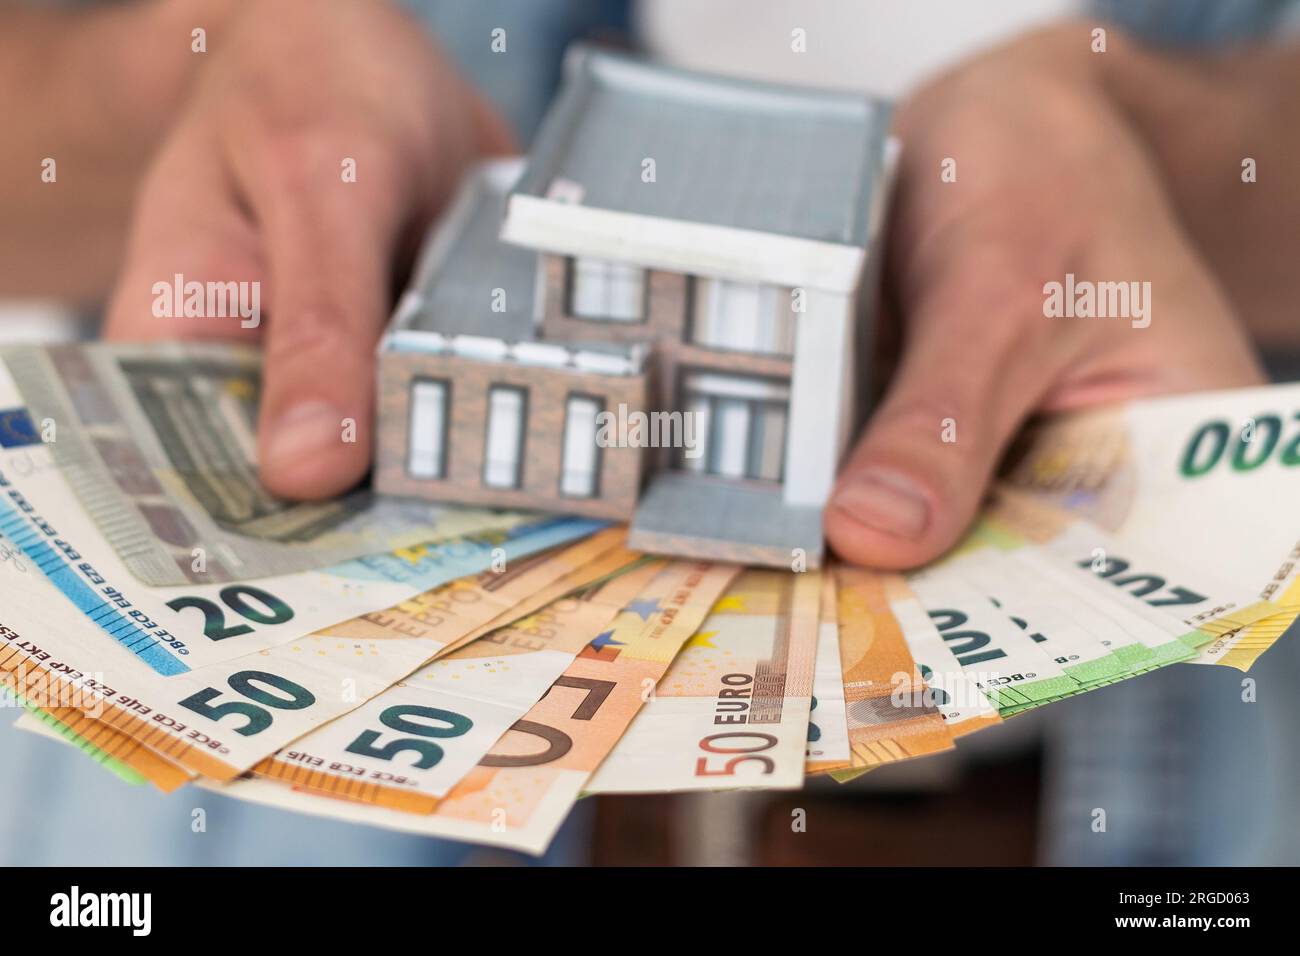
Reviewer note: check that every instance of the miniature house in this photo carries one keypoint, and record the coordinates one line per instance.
(690, 248)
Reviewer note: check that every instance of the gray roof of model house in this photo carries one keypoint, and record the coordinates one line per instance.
(465, 261)
(448, 306)
(782, 161)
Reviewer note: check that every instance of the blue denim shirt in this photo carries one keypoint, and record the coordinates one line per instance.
(522, 81)
(1193, 22)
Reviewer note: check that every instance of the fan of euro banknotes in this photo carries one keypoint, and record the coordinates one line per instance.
(472, 674)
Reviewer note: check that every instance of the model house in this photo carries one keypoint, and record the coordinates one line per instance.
(661, 318)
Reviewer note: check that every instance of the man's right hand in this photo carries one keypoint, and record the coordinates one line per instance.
(321, 139)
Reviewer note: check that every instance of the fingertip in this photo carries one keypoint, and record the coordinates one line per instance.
(860, 544)
(885, 519)
(311, 452)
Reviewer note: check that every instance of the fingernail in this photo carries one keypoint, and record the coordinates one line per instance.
(887, 502)
(303, 432)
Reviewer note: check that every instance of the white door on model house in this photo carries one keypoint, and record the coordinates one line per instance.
(740, 420)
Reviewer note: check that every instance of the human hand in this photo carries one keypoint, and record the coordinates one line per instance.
(251, 185)
(1050, 180)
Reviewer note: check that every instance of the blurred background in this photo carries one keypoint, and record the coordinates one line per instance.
(1192, 765)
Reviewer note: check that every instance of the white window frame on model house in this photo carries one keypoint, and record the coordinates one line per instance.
(752, 317)
(606, 291)
(427, 428)
(503, 444)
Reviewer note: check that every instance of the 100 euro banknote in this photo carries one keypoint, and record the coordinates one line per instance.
(1209, 475)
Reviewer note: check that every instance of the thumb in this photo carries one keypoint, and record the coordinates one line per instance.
(913, 483)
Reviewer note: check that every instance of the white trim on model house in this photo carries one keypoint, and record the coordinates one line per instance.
(692, 248)
(823, 364)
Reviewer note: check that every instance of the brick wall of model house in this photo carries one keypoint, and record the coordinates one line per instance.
(546, 392)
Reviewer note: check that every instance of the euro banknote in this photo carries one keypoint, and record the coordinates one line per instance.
(732, 710)
(890, 714)
(127, 758)
(828, 729)
(43, 725)
(157, 442)
(1003, 660)
(409, 745)
(1210, 473)
(522, 790)
(1192, 601)
(220, 719)
(1015, 658)
(956, 695)
(520, 793)
(1036, 606)
(475, 686)
(177, 629)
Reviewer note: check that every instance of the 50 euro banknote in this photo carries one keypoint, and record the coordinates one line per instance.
(408, 746)
(828, 729)
(890, 713)
(221, 719)
(521, 791)
(732, 709)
